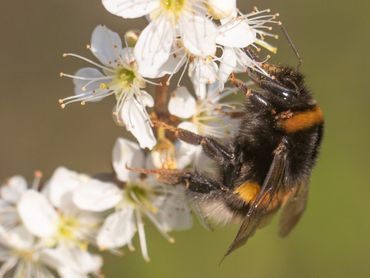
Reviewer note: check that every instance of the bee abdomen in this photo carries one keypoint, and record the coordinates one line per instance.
(292, 122)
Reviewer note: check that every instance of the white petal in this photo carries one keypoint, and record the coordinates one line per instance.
(174, 63)
(13, 189)
(188, 126)
(130, 8)
(87, 87)
(37, 214)
(173, 212)
(97, 196)
(236, 33)
(228, 64)
(184, 154)
(146, 98)
(137, 121)
(126, 153)
(62, 182)
(17, 238)
(198, 34)
(118, 229)
(106, 45)
(200, 89)
(153, 47)
(221, 8)
(72, 261)
(203, 71)
(182, 104)
(127, 56)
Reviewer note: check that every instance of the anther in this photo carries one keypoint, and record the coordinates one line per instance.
(64, 55)
(83, 103)
(38, 174)
(63, 106)
(60, 101)
(88, 46)
(61, 74)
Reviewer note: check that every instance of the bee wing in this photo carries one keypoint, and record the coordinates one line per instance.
(259, 207)
(294, 208)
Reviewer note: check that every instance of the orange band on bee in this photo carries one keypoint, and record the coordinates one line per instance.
(248, 191)
(302, 120)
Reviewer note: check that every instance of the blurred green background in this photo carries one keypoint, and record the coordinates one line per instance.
(333, 238)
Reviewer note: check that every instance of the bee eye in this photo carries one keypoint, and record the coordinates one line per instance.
(286, 95)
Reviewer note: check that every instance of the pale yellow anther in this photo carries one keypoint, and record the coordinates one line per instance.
(103, 86)
(61, 74)
(38, 174)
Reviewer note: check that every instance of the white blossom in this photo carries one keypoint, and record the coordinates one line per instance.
(19, 255)
(204, 115)
(10, 193)
(169, 20)
(239, 31)
(139, 198)
(64, 230)
(117, 75)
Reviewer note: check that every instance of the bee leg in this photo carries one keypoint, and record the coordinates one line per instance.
(166, 176)
(258, 97)
(200, 183)
(193, 181)
(211, 147)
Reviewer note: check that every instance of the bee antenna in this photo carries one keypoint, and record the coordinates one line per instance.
(294, 48)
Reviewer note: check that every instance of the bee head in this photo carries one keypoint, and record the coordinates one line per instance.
(285, 91)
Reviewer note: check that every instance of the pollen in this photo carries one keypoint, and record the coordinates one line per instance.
(248, 191)
(103, 86)
(174, 6)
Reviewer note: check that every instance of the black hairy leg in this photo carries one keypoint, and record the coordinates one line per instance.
(200, 183)
(194, 181)
(213, 149)
(259, 98)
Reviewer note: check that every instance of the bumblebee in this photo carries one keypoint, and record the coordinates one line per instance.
(267, 165)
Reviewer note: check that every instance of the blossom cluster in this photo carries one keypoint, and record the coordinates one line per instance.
(52, 228)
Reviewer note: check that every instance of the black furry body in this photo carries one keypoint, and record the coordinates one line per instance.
(274, 150)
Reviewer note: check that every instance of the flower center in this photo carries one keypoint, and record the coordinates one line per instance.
(125, 77)
(139, 194)
(67, 227)
(174, 6)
